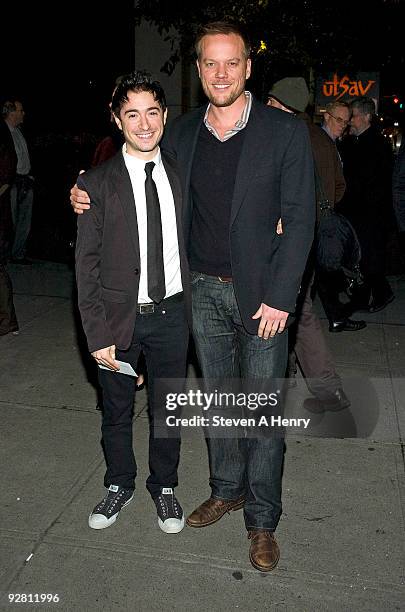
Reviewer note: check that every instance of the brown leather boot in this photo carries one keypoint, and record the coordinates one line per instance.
(212, 510)
(264, 552)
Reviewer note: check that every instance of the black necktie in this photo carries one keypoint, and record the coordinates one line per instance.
(156, 270)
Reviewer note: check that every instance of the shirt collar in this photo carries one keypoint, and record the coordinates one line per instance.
(12, 128)
(136, 163)
(325, 129)
(240, 123)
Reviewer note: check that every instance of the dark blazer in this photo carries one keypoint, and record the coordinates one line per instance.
(107, 253)
(275, 178)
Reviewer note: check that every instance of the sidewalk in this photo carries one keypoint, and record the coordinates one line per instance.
(342, 530)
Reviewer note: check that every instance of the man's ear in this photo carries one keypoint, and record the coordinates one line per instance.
(248, 68)
(165, 117)
(198, 68)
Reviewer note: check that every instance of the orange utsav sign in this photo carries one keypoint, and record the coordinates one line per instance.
(344, 86)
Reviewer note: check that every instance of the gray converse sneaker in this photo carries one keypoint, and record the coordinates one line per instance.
(170, 513)
(107, 511)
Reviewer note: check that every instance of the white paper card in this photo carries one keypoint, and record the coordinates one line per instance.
(125, 368)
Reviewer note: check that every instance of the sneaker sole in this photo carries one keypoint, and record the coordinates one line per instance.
(110, 521)
(172, 528)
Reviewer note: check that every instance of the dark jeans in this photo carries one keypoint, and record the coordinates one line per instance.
(163, 338)
(239, 466)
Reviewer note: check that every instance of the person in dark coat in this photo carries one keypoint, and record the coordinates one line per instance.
(398, 192)
(367, 164)
(8, 167)
(21, 193)
(307, 341)
(133, 294)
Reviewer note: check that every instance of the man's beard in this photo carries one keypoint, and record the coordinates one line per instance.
(221, 101)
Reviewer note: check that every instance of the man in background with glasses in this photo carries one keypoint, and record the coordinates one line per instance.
(336, 119)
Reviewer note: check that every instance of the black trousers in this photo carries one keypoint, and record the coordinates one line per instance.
(163, 338)
(372, 234)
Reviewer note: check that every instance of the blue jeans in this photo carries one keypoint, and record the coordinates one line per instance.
(239, 466)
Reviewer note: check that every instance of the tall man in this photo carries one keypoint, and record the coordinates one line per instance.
(132, 279)
(243, 166)
(21, 191)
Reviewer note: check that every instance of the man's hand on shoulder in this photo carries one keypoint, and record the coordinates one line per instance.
(272, 321)
(106, 357)
(79, 199)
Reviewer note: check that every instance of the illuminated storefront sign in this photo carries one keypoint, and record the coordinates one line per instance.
(344, 86)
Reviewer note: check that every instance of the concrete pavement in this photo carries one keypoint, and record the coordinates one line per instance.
(342, 530)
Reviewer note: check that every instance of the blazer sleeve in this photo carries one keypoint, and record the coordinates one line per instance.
(297, 190)
(88, 258)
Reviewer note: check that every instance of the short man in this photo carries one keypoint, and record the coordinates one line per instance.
(132, 279)
(307, 341)
(243, 166)
(367, 165)
(21, 192)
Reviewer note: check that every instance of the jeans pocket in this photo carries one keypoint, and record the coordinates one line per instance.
(195, 277)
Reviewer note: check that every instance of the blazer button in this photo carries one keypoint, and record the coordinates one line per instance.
(136, 271)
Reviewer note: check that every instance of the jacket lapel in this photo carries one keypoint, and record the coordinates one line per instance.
(185, 158)
(249, 159)
(123, 187)
(174, 180)
(173, 176)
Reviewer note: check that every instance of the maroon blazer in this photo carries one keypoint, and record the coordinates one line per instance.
(107, 253)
